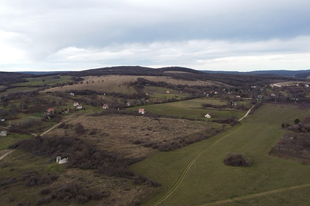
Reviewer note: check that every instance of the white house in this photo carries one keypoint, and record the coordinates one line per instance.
(61, 161)
(208, 116)
(3, 133)
(71, 94)
(79, 107)
(75, 104)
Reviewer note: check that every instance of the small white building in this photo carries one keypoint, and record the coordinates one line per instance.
(208, 116)
(79, 107)
(71, 94)
(105, 106)
(61, 161)
(75, 104)
(3, 133)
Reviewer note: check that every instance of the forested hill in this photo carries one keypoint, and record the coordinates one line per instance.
(133, 70)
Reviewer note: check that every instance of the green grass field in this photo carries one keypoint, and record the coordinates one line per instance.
(159, 93)
(209, 180)
(18, 89)
(11, 139)
(191, 109)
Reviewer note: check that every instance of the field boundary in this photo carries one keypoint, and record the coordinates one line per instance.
(256, 195)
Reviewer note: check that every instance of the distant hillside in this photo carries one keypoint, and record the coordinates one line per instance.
(43, 73)
(133, 70)
(284, 73)
(12, 77)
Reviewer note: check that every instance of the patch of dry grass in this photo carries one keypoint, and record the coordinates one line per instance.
(116, 83)
(118, 132)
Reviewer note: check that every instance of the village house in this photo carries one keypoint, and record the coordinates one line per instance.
(128, 104)
(50, 111)
(142, 111)
(3, 133)
(167, 92)
(233, 104)
(71, 94)
(105, 106)
(208, 116)
(79, 106)
(75, 104)
(61, 161)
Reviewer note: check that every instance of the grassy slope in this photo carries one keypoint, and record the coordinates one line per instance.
(209, 180)
(190, 109)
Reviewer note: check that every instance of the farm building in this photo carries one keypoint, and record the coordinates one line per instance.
(128, 104)
(61, 161)
(3, 133)
(75, 104)
(142, 111)
(208, 116)
(105, 106)
(50, 111)
(79, 107)
(233, 104)
(71, 94)
(167, 92)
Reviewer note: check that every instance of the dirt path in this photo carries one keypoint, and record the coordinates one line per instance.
(256, 195)
(190, 164)
(6, 154)
(246, 114)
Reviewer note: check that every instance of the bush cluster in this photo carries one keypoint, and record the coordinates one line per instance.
(68, 192)
(234, 159)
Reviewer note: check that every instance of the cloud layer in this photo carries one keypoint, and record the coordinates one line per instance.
(213, 35)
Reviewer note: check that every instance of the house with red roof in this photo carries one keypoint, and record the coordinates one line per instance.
(142, 111)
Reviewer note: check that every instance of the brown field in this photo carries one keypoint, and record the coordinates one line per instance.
(118, 132)
(120, 84)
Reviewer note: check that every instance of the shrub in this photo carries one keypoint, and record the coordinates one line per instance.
(234, 159)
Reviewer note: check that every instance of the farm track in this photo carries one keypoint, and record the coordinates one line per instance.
(256, 195)
(178, 183)
(6, 154)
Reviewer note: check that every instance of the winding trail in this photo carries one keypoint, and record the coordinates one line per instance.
(256, 195)
(190, 164)
(6, 154)
(246, 114)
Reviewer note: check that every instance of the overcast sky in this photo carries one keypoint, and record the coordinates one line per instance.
(230, 35)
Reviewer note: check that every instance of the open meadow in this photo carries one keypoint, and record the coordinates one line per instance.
(196, 175)
(192, 109)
